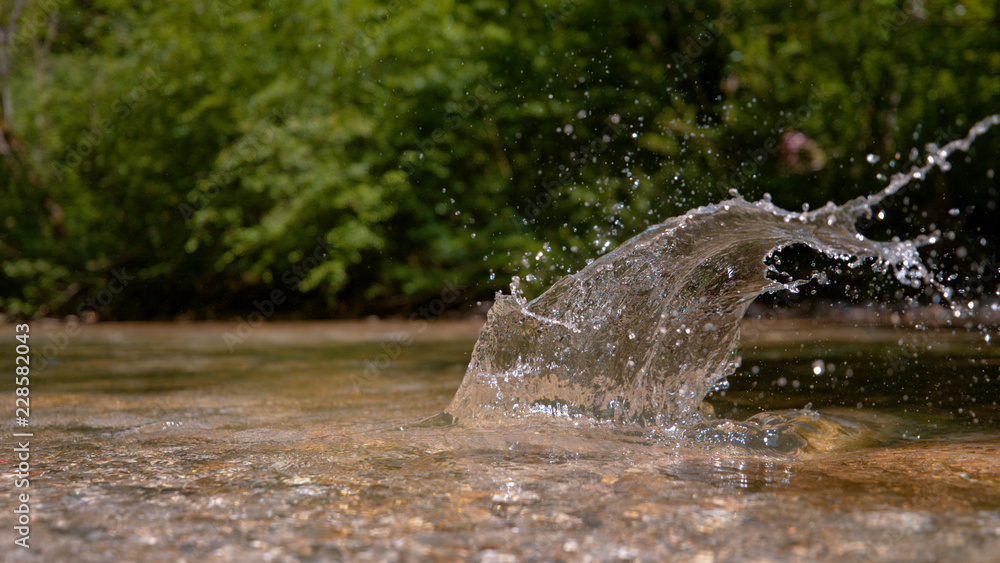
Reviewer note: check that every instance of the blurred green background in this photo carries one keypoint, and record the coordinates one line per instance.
(194, 157)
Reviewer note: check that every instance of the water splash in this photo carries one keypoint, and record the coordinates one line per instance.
(644, 333)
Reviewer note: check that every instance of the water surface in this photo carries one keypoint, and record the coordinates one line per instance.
(158, 443)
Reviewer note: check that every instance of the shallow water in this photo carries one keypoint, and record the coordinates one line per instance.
(158, 443)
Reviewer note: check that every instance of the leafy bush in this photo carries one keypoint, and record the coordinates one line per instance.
(215, 149)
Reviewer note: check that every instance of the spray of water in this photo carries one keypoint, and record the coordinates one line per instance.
(643, 334)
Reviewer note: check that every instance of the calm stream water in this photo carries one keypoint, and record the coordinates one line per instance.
(156, 442)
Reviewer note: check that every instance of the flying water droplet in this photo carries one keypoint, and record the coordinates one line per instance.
(614, 340)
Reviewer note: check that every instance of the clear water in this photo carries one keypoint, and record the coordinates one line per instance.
(156, 443)
(641, 335)
(611, 418)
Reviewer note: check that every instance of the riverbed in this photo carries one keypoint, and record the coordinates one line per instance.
(295, 442)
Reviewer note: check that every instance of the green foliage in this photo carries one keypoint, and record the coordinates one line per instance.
(212, 147)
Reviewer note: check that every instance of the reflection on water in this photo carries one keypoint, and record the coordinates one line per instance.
(155, 443)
